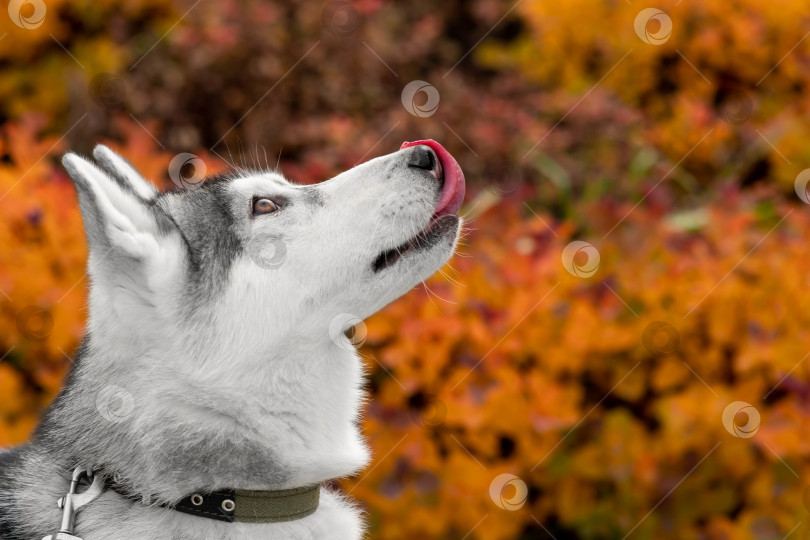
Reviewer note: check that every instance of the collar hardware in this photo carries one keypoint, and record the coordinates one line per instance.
(74, 501)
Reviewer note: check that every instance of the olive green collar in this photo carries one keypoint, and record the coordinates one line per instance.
(253, 506)
(246, 506)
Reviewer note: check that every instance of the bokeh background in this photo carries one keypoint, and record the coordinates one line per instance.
(624, 331)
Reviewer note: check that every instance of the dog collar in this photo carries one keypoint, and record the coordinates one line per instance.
(237, 505)
(230, 505)
(245, 506)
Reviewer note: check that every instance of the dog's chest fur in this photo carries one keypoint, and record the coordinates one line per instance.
(190, 433)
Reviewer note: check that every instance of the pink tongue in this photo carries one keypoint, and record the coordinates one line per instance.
(453, 190)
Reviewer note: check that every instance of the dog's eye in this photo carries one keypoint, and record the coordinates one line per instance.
(263, 206)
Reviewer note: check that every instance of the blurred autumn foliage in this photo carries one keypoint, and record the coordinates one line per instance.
(604, 395)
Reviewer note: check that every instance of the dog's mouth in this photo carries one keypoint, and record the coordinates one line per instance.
(444, 221)
(439, 228)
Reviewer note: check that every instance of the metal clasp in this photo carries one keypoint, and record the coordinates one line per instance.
(73, 502)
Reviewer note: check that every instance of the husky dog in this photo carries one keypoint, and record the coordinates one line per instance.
(215, 356)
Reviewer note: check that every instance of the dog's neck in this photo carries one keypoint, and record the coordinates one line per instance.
(169, 426)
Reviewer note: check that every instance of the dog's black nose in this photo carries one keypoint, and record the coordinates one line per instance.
(423, 157)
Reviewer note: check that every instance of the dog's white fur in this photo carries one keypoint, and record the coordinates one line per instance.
(256, 355)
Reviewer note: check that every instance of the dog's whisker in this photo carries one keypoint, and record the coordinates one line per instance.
(450, 266)
(241, 150)
(456, 272)
(429, 294)
(430, 291)
(450, 279)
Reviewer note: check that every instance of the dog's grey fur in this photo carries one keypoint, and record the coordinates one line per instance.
(231, 375)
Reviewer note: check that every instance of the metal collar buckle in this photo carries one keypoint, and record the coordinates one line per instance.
(73, 502)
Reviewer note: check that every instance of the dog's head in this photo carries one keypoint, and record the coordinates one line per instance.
(246, 259)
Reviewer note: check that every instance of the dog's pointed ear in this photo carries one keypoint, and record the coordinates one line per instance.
(116, 218)
(125, 174)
